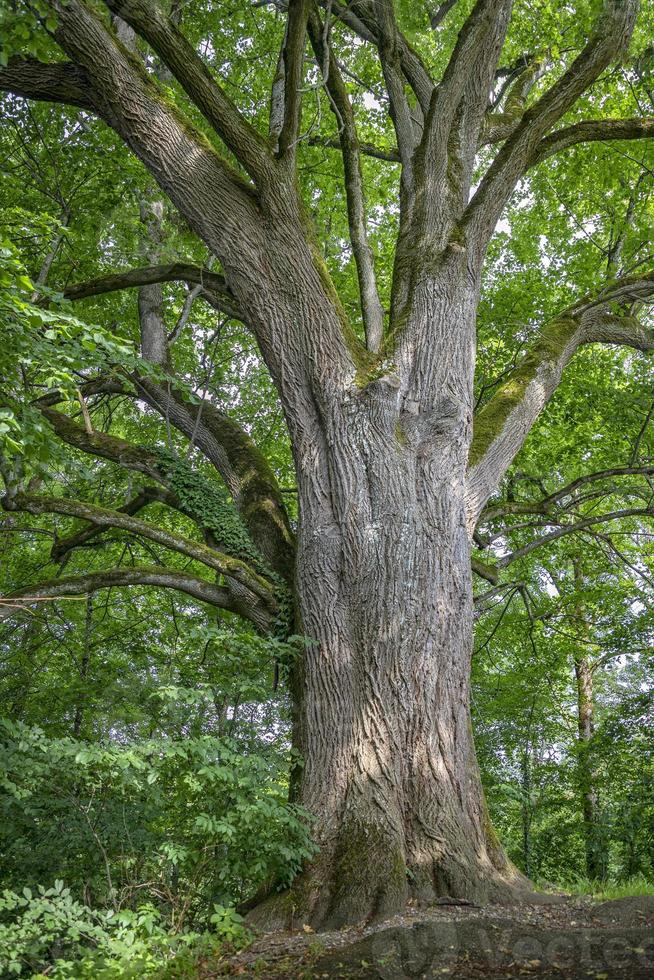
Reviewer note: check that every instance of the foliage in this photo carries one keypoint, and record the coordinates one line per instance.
(52, 932)
(156, 838)
(53, 345)
(605, 893)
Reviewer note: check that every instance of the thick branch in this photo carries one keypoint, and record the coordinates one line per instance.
(502, 425)
(256, 495)
(366, 22)
(462, 111)
(487, 572)
(58, 82)
(126, 454)
(292, 66)
(471, 69)
(628, 289)
(392, 46)
(214, 287)
(215, 200)
(151, 22)
(592, 131)
(611, 37)
(499, 126)
(244, 469)
(392, 155)
(118, 578)
(63, 546)
(103, 517)
(440, 13)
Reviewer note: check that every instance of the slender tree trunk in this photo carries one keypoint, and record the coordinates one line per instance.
(84, 667)
(586, 767)
(587, 775)
(527, 810)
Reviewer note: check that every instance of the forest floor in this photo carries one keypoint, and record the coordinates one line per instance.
(554, 938)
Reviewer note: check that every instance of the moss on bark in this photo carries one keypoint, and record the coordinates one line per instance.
(489, 422)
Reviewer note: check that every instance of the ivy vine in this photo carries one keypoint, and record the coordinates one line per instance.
(210, 506)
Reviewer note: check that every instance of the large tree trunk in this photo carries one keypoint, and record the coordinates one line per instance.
(383, 716)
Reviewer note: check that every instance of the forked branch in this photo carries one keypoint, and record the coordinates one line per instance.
(611, 36)
(150, 21)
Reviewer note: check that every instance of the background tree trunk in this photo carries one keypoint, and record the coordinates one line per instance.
(527, 809)
(587, 775)
(594, 845)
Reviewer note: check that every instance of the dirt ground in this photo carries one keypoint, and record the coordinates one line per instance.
(553, 937)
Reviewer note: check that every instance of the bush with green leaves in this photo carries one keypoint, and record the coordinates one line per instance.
(184, 823)
(52, 932)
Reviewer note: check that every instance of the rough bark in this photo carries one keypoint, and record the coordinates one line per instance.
(383, 723)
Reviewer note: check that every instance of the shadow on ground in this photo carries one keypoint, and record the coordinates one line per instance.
(570, 940)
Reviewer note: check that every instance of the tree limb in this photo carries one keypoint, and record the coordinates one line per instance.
(440, 13)
(498, 126)
(165, 578)
(368, 25)
(610, 38)
(247, 474)
(485, 571)
(505, 560)
(60, 81)
(103, 517)
(214, 287)
(471, 68)
(592, 131)
(546, 504)
(176, 153)
(150, 21)
(502, 425)
(292, 63)
(459, 108)
(62, 547)
(371, 308)
(392, 155)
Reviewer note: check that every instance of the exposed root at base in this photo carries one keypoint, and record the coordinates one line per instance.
(328, 902)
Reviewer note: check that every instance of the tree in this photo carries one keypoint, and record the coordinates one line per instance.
(392, 464)
(595, 856)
